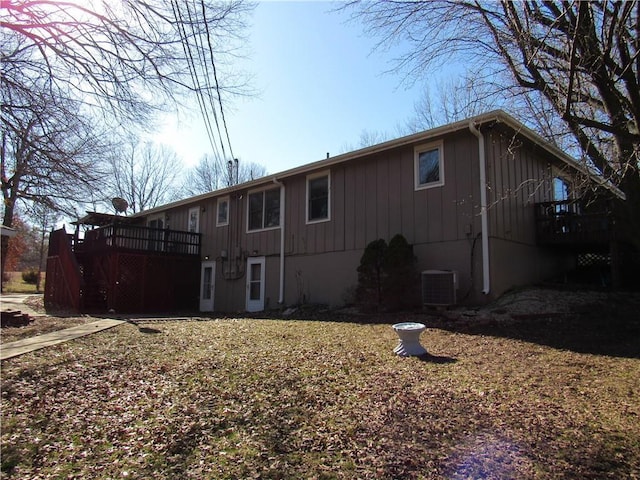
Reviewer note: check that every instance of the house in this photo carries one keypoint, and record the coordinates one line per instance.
(487, 204)
(7, 231)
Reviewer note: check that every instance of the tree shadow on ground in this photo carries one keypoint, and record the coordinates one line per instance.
(611, 330)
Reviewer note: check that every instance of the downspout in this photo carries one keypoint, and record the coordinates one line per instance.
(486, 277)
(282, 231)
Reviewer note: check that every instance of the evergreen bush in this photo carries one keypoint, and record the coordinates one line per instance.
(30, 276)
(370, 275)
(401, 278)
(387, 279)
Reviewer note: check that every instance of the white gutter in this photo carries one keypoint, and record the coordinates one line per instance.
(486, 277)
(282, 210)
(494, 116)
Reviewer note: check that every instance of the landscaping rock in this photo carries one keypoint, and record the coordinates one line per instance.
(15, 318)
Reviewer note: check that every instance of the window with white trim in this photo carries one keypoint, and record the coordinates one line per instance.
(222, 212)
(318, 197)
(264, 209)
(428, 164)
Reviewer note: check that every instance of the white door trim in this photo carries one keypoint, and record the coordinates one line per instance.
(255, 284)
(207, 285)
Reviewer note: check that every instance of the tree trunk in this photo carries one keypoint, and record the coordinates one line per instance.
(4, 245)
(7, 221)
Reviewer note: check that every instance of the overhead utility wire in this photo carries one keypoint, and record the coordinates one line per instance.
(215, 76)
(203, 63)
(199, 88)
(194, 76)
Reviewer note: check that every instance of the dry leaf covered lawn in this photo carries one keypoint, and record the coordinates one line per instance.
(41, 325)
(308, 399)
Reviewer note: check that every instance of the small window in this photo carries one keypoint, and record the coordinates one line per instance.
(264, 209)
(429, 171)
(222, 217)
(318, 197)
(560, 189)
(561, 196)
(155, 222)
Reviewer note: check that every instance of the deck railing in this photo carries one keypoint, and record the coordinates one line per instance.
(574, 222)
(64, 279)
(145, 239)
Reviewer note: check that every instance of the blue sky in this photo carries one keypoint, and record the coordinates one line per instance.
(319, 84)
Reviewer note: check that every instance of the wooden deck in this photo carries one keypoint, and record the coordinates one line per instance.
(139, 239)
(123, 268)
(572, 223)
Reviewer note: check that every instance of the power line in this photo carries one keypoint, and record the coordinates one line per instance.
(205, 70)
(194, 75)
(187, 50)
(215, 76)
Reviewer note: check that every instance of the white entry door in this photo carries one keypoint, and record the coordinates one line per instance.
(255, 284)
(207, 286)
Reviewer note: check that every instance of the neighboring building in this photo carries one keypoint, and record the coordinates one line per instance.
(471, 197)
(7, 231)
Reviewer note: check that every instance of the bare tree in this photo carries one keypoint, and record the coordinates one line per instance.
(145, 175)
(43, 220)
(245, 172)
(115, 63)
(453, 99)
(212, 173)
(50, 154)
(368, 138)
(579, 61)
(128, 57)
(206, 176)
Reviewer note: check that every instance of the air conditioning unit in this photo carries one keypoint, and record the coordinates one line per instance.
(439, 287)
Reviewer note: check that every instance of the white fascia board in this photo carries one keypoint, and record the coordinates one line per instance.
(498, 116)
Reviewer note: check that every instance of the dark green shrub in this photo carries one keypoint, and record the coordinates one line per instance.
(401, 280)
(387, 279)
(370, 275)
(30, 276)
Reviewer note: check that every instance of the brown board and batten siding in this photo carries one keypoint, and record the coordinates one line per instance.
(372, 196)
(375, 197)
(519, 175)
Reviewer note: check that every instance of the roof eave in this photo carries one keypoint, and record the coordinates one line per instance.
(328, 162)
(499, 116)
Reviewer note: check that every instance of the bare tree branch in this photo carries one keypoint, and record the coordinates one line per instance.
(582, 57)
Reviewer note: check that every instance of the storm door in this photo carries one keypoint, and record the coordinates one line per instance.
(255, 284)
(207, 286)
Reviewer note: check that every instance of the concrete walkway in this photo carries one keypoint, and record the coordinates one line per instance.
(13, 349)
(15, 301)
